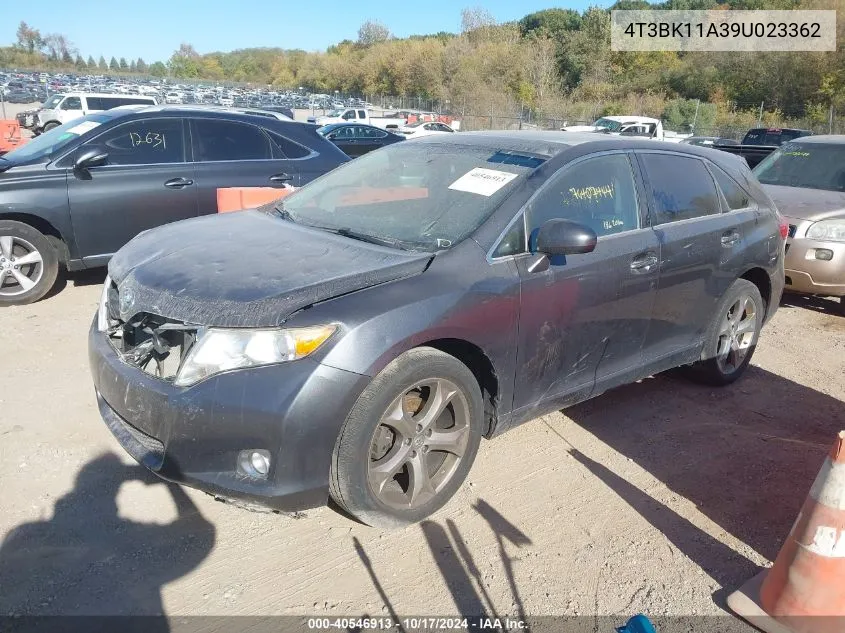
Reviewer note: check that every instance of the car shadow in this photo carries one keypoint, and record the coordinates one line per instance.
(88, 560)
(77, 278)
(745, 455)
(808, 302)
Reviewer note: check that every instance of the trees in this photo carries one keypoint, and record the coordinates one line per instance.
(91, 63)
(158, 69)
(113, 65)
(141, 66)
(372, 32)
(122, 65)
(29, 39)
(102, 65)
(133, 67)
(80, 63)
(184, 62)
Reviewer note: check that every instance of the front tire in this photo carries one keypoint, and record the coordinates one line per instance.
(732, 336)
(28, 264)
(409, 441)
(49, 126)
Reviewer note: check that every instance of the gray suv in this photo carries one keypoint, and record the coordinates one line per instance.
(74, 195)
(392, 313)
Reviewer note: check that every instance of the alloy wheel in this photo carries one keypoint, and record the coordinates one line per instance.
(736, 335)
(21, 266)
(418, 444)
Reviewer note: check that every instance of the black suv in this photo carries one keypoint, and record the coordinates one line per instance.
(73, 196)
(419, 298)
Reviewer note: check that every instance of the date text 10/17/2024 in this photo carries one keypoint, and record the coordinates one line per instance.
(417, 624)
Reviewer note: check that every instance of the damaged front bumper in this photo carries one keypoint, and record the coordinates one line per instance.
(194, 435)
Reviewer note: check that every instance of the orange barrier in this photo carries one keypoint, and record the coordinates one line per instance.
(10, 135)
(240, 198)
(804, 592)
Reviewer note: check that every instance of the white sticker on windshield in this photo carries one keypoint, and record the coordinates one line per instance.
(85, 126)
(484, 182)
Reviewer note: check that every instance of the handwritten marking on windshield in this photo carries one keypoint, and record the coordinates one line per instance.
(796, 154)
(155, 139)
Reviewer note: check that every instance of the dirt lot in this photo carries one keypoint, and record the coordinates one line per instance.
(651, 498)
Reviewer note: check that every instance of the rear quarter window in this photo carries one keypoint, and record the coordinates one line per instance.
(287, 148)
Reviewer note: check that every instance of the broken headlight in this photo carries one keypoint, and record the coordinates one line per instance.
(103, 323)
(219, 350)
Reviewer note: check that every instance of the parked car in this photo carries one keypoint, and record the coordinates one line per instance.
(395, 311)
(708, 141)
(356, 140)
(653, 128)
(806, 179)
(342, 115)
(75, 195)
(425, 128)
(758, 143)
(20, 96)
(63, 108)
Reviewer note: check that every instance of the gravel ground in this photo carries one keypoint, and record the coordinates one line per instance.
(652, 498)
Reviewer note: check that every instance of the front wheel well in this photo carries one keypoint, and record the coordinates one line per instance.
(760, 278)
(481, 367)
(45, 228)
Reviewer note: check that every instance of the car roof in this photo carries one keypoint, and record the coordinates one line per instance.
(554, 142)
(823, 139)
(199, 109)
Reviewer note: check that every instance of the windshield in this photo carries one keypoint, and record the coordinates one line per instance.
(608, 124)
(418, 196)
(334, 113)
(808, 165)
(772, 137)
(53, 102)
(417, 124)
(47, 144)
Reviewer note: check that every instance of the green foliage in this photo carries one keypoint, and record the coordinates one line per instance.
(688, 114)
(113, 65)
(102, 65)
(553, 22)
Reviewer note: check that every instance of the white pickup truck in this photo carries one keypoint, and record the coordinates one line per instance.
(357, 115)
(629, 126)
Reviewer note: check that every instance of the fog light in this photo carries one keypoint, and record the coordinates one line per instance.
(825, 254)
(254, 463)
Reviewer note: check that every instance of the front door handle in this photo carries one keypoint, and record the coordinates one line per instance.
(178, 183)
(280, 178)
(730, 238)
(644, 263)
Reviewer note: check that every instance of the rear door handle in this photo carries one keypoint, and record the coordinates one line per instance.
(280, 178)
(178, 183)
(644, 263)
(730, 238)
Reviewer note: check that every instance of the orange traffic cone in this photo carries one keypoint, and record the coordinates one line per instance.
(804, 592)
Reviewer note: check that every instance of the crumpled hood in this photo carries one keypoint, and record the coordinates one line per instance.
(807, 204)
(248, 269)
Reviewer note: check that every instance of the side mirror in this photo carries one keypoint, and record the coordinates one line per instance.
(562, 237)
(91, 156)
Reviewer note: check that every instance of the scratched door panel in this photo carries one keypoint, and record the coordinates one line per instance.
(585, 311)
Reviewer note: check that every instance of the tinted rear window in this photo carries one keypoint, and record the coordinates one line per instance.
(808, 165)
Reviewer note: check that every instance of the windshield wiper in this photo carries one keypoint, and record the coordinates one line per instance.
(364, 237)
(278, 209)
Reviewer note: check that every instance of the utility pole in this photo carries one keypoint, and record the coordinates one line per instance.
(695, 117)
(830, 120)
(760, 116)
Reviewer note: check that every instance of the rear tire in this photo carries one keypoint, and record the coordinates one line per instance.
(732, 336)
(409, 441)
(29, 264)
(841, 306)
(49, 126)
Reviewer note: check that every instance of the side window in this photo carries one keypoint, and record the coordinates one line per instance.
(513, 242)
(370, 132)
(95, 103)
(217, 140)
(144, 142)
(734, 194)
(681, 187)
(598, 192)
(362, 114)
(349, 115)
(72, 103)
(286, 148)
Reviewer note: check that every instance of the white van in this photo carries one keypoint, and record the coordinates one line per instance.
(61, 108)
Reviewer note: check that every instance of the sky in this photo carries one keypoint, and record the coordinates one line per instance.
(153, 29)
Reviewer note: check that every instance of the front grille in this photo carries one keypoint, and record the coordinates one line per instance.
(152, 343)
(792, 230)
